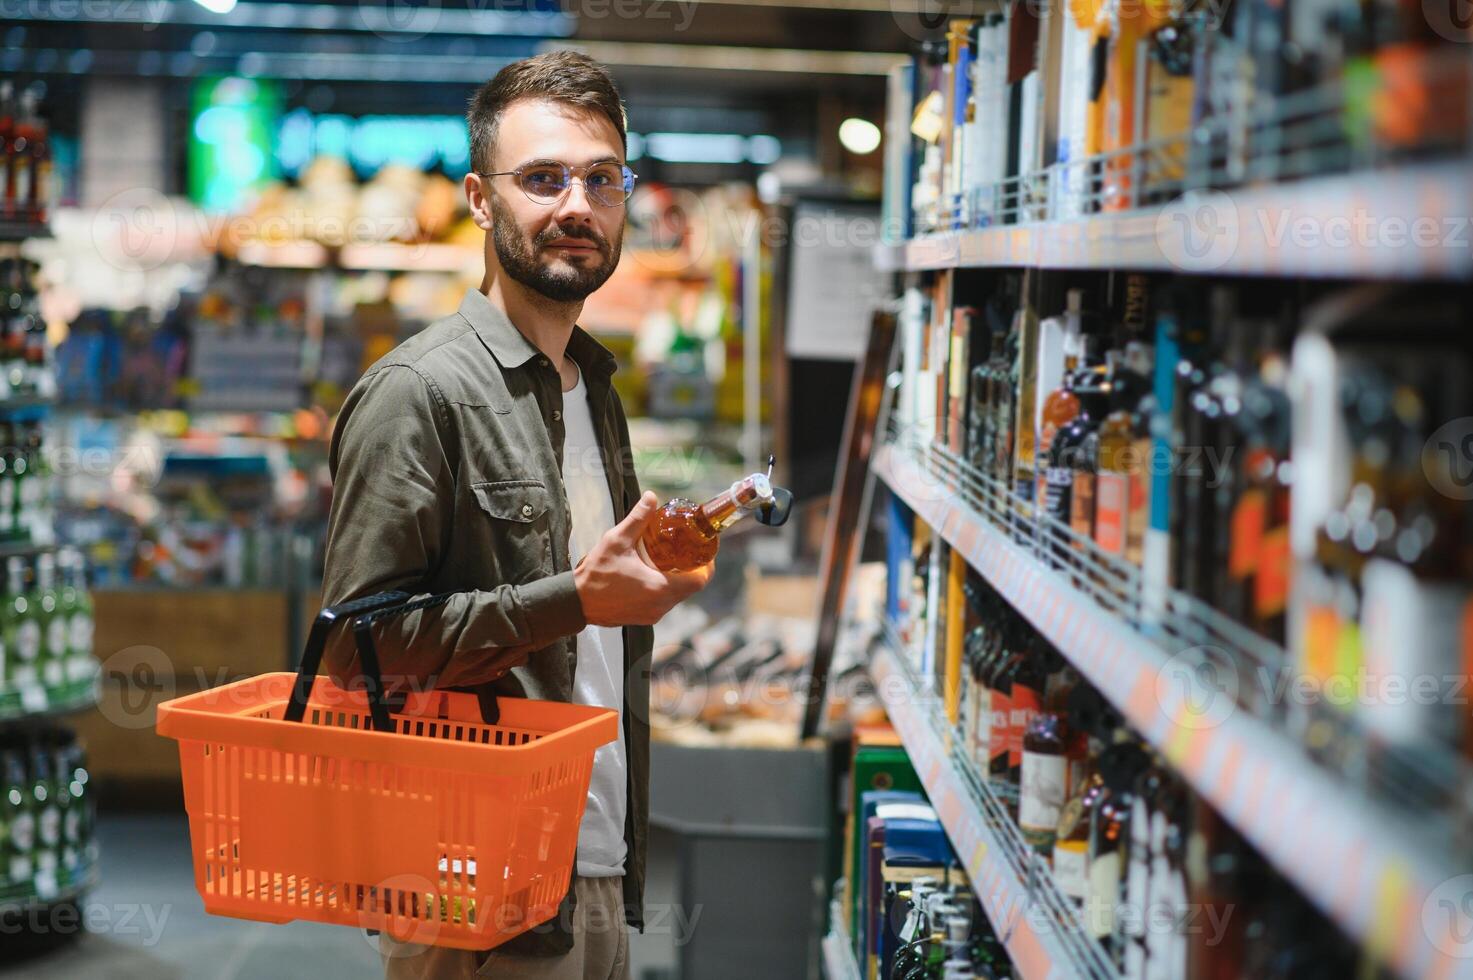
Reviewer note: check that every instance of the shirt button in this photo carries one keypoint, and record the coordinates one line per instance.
(526, 510)
(557, 416)
(544, 362)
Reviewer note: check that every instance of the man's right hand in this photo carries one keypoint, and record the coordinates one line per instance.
(618, 587)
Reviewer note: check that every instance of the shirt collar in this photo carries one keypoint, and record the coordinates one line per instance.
(512, 349)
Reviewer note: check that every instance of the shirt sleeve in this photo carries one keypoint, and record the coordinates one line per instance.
(392, 462)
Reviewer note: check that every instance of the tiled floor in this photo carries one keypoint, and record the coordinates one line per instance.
(147, 923)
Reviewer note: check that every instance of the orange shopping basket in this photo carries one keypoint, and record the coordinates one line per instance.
(452, 821)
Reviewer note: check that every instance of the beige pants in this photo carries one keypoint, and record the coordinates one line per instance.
(600, 947)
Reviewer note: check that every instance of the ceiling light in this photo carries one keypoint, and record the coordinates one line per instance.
(859, 135)
(217, 6)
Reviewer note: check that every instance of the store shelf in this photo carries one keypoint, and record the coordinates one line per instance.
(35, 701)
(16, 898)
(838, 949)
(25, 549)
(1407, 223)
(19, 231)
(366, 257)
(1369, 867)
(1042, 932)
(398, 257)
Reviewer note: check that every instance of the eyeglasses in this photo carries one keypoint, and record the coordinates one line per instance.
(546, 181)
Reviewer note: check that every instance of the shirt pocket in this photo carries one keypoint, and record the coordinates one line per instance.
(521, 533)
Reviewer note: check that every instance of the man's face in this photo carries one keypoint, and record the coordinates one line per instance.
(567, 248)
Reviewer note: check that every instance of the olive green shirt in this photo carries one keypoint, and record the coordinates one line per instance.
(447, 477)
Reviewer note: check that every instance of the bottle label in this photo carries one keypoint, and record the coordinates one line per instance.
(28, 640)
(1111, 495)
(1082, 505)
(1104, 894)
(23, 833)
(1060, 480)
(1025, 705)
(1041, 795)
(1246, 535)
(982, 725)
(79, 639)
(50, 826)
(1138, 506)
(56, 636)
(1071, 868)
(1271, 587)
(1002, 705)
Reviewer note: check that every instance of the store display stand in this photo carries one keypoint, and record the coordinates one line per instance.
(31, 907)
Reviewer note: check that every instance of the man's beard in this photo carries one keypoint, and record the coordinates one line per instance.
(571, 282)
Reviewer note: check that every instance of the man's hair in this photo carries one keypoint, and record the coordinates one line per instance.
(566, 77)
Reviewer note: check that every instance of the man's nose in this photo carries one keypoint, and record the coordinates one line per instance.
(575, 204)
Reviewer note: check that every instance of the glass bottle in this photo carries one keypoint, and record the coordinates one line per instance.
(18, 629)
(53, 624)
(684, 535)
(1048, 761)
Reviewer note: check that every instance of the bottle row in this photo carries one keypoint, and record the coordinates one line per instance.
(26, 150)
(1161, 881)
(47, 813)
(1053, 111)
(1295, 459)
(26, 364)
(911, 911)
(46, 625)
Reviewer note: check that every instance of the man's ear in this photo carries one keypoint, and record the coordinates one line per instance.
(479, 202)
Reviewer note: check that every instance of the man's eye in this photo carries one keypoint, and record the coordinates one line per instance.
(543, 177)
(601, 178)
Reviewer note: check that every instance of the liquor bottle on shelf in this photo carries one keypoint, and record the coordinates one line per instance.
(8, 205)
(53, 625)
(686, 535)
(76, 610)
(18, 816)
(1109, 844)
(1073, 456)
(1415, 587)
(1123, 469)
(33, 173)
(19, 630)
(1052, 753)
(1192, 500)
(1058, 350)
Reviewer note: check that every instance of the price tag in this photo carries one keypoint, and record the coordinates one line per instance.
(33, 698)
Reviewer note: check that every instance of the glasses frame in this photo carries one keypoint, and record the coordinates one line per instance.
(568, 174)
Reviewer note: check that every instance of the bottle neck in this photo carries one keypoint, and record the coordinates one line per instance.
(737, 501)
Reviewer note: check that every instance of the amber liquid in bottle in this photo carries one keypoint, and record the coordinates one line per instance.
(685, 535)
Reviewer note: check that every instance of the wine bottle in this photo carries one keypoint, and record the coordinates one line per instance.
(684, 535)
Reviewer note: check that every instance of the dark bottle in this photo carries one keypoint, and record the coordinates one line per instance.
(1109, 845)
(1050, 755)
(1201, 433)
(1091, 393)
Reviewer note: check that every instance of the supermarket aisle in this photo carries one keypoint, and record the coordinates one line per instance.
(154, 926)
(151, 924)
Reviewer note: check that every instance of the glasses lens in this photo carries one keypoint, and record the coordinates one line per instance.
(544, 182)
(607, 183)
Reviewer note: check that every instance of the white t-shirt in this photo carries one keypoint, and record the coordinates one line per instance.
(599, 676)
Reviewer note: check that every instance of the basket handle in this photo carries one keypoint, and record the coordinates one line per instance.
(364, 612)
(329, 617)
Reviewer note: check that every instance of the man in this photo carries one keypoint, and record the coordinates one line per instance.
(489, 456)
